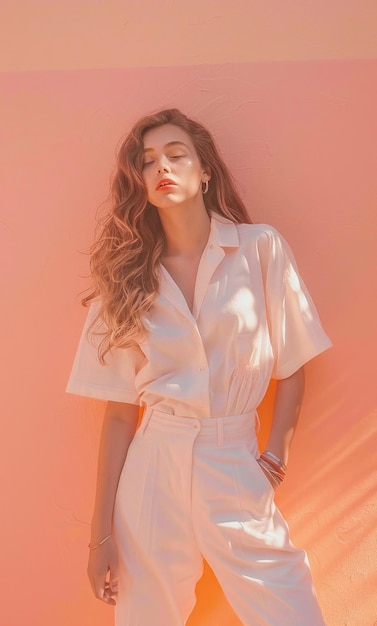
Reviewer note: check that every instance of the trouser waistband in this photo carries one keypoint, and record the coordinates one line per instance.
(219, 429)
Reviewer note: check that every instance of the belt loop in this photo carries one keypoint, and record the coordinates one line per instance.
(220, 432)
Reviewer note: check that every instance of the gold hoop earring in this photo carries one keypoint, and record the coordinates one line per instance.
(206, 186)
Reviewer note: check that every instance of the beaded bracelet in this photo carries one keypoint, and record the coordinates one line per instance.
(97, 545)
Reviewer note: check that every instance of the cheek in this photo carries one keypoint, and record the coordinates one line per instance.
(194, 167)
(193, 173)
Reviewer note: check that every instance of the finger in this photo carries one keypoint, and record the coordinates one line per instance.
(113, 575)
(111, 590)
(101, 588)
(109, 594)
(106, 595)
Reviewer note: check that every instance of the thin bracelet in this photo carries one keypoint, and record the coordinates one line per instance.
(97, 545)
(276, 459)
(277, 474)
(272, 465)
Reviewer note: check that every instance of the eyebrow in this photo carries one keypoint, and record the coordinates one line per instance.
(171, 143)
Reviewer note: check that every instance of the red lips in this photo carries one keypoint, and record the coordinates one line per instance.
(164, 182)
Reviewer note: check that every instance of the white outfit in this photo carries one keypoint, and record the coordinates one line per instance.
(190, 486)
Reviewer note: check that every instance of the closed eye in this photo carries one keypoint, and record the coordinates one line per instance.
(172, 157)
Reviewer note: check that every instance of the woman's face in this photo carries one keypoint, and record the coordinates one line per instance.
(172, 171)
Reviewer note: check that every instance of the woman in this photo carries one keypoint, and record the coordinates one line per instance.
(193, 310)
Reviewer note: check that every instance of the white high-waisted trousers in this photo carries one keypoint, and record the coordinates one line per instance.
(191, 488)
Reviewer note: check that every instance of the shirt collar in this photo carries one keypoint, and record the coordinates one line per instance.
(223, 232)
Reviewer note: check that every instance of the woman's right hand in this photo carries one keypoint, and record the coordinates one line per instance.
(103, 571)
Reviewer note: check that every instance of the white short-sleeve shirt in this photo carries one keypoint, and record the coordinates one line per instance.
(253, 319)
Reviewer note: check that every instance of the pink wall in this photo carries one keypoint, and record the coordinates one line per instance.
(300, 136)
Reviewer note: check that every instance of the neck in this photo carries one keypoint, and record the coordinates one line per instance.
(186, 232)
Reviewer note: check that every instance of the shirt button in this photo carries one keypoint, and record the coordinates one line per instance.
(195, 426)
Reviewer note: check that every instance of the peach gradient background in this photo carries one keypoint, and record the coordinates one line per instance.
(289, 90)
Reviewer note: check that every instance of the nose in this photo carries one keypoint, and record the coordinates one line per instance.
(163, 166)
(162, 169)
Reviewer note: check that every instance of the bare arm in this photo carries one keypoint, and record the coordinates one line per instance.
(119, 426)
(288, 400)
(118, 430)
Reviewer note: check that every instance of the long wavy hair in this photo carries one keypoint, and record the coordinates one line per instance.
(125, 257)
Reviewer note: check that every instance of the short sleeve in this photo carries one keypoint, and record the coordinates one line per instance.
(113, 381)
(296, 331)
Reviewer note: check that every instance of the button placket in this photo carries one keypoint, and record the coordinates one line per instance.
(200, 368)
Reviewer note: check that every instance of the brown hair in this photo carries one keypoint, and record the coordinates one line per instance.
(125, 257)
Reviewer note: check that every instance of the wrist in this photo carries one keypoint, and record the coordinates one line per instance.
(275, 460)
(94, 545)
(99, 529)
(273, 466)
(279, 449)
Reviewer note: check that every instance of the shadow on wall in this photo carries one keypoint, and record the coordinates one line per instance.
(335, 446)
(332, 508)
